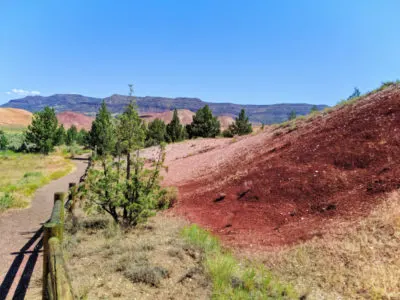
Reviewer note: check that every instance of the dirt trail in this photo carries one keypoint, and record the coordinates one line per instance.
(20, 236)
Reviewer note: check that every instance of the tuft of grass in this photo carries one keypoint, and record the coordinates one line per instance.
(6, 201)
(168, 197)
(145, 273)
(231, 278)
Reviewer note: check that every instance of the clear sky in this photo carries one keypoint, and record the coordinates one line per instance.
(253, 52)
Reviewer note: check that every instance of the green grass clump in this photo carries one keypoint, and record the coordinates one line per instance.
(6, 201)
(231, 278)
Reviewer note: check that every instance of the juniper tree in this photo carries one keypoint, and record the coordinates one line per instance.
(175, 131)
(102, 134)
(156, 133)
(128, 201)
(82, 137)
(60, 135)
(204, 124)
(292, 115)
(72, 135)
(42, 132)
(241, 125)
(130, 132)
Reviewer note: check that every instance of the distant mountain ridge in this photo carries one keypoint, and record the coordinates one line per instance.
(267, 114)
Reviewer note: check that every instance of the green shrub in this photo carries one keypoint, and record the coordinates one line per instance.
(168, 197)
(6, 201)
(227, 133)
(3, 141)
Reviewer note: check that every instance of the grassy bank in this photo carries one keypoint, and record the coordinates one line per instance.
(355, 261)
(22, 174)
(234, 279)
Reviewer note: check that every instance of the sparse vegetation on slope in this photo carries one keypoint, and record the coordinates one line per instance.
(360, 261)
(233, 279)
(150, 261)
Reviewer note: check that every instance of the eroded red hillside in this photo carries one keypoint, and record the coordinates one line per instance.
(288, 184)
(69, 118)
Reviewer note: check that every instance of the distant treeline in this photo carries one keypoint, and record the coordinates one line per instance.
(45, 133)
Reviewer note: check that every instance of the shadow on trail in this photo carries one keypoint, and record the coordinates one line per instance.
(12, 272)
(79, 158)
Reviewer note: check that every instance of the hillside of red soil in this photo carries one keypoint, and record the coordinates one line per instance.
(15, 117)
(285, 185)
(185, 116)
(69, 118)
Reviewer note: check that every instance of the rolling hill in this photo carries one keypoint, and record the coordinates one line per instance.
(286, 183)
(14, 118)
(267, 114)
(69, 118)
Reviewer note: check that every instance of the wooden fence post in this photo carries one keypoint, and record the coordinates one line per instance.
(60, 285)
(72, 196)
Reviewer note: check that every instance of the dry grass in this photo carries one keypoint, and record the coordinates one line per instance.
(22, 174)
(148, 262)
(354, 261)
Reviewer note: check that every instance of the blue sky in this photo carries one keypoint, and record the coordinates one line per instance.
(254, 52)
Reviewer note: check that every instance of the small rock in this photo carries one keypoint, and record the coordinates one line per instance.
(221, 196)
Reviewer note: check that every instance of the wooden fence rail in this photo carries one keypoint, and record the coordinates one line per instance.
(56, 283)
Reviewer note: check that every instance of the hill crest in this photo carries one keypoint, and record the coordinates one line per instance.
(267, 114)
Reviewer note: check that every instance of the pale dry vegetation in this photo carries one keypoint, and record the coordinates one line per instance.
(358, 260)
(150, 261)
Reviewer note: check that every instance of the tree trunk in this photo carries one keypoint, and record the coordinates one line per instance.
(128, 165)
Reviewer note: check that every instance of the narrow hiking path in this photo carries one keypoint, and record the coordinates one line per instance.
(20, 236)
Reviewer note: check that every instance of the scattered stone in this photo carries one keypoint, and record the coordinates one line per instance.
(221, 196)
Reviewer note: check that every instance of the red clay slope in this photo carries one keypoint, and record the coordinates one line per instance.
(274, 189)
(69, 118)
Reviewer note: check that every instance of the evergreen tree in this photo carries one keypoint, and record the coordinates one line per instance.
(130, 133)
(102, 135)
(82, 137)
(42, 132)
(175, 131)
(355, 94)
(156, 133)
(60, 135)
(72, 135)
(3, 140)
(204, 124)
(292, 115)
(242, 125)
